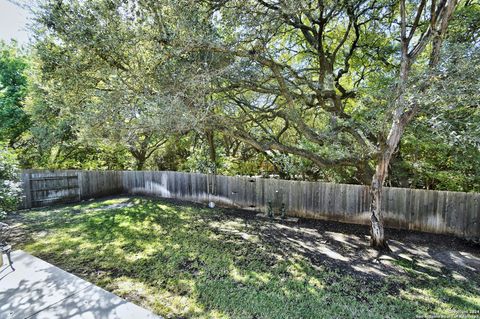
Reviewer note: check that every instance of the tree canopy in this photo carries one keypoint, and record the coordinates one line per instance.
(301, 89)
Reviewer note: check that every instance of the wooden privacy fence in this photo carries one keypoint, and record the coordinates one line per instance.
(43, 187)
(432, 211)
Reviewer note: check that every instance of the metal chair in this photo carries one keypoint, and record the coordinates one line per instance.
(5, 248)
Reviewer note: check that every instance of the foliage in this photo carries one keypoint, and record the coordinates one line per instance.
(199, 161)
(192, 262)
(10, 188)
(114, 73)
(13, 90)
(441, 149)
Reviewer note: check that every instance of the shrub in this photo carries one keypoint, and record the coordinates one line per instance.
(10, 189)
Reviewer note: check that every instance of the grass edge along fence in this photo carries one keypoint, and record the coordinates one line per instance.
(440, 212)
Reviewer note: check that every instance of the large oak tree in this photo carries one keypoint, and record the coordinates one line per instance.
(298, 65)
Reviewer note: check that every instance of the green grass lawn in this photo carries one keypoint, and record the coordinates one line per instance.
(188, 261)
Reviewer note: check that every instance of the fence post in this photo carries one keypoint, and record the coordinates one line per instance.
(27, 192)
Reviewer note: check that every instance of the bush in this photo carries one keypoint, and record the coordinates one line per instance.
(10, 188)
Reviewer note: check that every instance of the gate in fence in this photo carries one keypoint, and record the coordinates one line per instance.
(44, 190)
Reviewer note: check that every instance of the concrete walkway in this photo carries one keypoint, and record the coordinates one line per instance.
(37, 289)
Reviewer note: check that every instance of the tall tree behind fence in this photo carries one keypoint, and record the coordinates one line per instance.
(432, 211)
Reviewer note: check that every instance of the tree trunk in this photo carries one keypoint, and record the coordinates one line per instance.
(140, 163)
(378, 239)
(213, 159)
(400, 120)
(212, 151)
(140, 159)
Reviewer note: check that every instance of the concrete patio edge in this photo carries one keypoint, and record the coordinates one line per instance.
(37, 289)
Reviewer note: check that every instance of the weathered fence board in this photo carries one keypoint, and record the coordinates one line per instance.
(47, 188)
(43, 187)
(431, 211)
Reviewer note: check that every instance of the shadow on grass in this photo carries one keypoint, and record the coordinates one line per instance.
(184, 260)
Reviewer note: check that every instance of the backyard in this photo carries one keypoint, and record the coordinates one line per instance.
(184, 260)
(176, 129)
